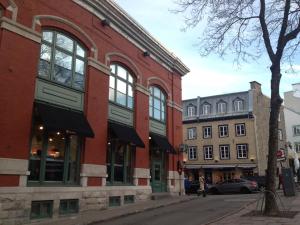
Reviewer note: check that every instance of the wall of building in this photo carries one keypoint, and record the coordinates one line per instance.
(20, 41)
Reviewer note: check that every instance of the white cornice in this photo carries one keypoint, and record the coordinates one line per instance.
(130, 29)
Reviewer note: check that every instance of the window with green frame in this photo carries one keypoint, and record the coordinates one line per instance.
(157, 104)
(120, 160)
(68, 206)
(41, 209)
(121, 86)
(62, 60)
(54, 156)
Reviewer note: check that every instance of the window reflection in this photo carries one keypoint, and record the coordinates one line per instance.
(121, 89)
(120, 158)
(157, 104)
(62, 60)
(54, 156)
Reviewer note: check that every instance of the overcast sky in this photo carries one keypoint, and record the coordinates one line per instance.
(209, 75)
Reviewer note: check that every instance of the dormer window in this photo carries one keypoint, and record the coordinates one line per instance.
(191, 110)
(238, 105)
(221, 107)
(206, 109)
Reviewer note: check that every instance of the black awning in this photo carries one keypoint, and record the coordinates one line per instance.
(127, 134)
(163, 143)
(55, 118)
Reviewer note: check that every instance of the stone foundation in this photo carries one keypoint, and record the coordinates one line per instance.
(15, 203)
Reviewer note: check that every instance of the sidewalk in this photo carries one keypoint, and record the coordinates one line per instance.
(239, 218)
(92, 217)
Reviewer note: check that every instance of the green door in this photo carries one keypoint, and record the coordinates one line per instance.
(157, 181)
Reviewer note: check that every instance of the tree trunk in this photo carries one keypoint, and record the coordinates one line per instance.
(271, 207)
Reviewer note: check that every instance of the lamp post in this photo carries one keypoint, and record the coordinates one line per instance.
(180, 164)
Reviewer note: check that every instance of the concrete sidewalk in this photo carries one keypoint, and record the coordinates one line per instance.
(92, 217)
(239, 217)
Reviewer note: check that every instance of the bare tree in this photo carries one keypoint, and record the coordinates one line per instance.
(250, 28)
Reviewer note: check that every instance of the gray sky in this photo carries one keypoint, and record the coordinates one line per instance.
(209, 75)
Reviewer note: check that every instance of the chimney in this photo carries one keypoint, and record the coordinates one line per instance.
(255, 86)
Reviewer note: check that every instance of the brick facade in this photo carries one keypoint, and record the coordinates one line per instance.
(21, 26)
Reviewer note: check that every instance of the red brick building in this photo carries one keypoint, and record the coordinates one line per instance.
(90, 110)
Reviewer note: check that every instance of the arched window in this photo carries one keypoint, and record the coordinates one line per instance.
(238, 105)
(157, 104)
(62, 60)
(121, 86)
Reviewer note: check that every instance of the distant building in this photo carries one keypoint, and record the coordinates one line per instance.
(292, 117)
(227, 135)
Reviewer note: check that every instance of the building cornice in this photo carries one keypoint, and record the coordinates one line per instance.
(211, 119)
(120, 21)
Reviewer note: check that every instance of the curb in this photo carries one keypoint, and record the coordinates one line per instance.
(140, 211)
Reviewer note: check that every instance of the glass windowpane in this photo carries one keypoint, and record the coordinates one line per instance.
(156, 114)
(122, 72)
(55, 157)
(156, 104)
(111, 94)
(79, 66)
(62, 69)
(64, 42)
(130, 79)
(112, 80)
(121, 86)
(156, 92)
(78, 81)
(63, 60)
(80, 51)
(48, 36)
(44, 68)
(113, 69)
(121, 98)
(36, 152)
(119, 163)
(130, 92)
(130, 102)
(45, 52)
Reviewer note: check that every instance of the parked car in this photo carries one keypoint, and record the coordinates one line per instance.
(261, 180)
(234, 186)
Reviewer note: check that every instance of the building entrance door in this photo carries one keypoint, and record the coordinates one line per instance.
(158, 173)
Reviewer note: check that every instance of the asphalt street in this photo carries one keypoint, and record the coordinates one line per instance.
(195, 212)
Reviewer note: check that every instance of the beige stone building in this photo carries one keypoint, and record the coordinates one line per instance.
(227, 135)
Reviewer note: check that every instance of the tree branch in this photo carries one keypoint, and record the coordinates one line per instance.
(266, 35)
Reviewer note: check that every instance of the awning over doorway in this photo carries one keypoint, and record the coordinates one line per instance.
(163, 143)
(56, 118)
(127, 134)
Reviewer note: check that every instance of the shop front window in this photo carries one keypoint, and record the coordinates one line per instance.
(54, 156)
(120, 156)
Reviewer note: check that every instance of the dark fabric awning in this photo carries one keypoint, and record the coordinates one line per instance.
(163, 143)
(127, 134)
(55, 118)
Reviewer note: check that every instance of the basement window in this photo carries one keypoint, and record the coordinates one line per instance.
(114, 201)
(41, 209)
(128, 199)
(68, 206)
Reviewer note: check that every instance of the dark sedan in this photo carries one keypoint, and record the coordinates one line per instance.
(234, 186)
